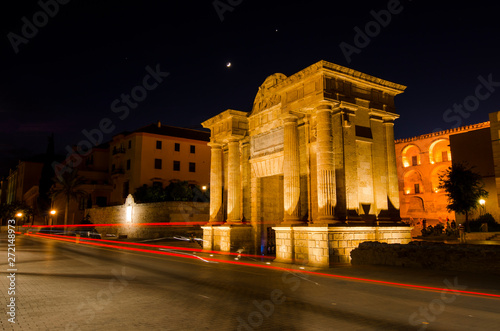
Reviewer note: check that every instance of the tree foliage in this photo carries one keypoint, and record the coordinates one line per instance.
(175, 191)
(464, 188)
(68, 185)
(9, 211)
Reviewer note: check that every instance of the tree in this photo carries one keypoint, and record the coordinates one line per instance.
(179, 191)
(175, 191)
(9, 211)
(68, 185)
(464, 188)
(146, 194)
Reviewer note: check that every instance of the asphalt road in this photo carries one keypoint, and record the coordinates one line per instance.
(69, 286)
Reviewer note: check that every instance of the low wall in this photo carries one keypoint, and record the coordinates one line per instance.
(228, 238)
(324, 246)
(173, 218)
(480, 235)
(430, 255)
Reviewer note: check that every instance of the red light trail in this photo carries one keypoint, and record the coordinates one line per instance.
(411, 286)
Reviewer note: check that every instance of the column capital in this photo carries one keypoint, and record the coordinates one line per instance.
(214, 145)
(232, 139)
(327, 106)
(388, 121)
(289, 118)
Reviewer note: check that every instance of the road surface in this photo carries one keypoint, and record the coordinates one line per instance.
(63, 285)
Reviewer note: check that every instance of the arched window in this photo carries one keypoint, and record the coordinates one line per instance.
(411, 156)
(439, 151)
(413, 183)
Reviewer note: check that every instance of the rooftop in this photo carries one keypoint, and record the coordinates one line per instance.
(172, 131)
(446, 132)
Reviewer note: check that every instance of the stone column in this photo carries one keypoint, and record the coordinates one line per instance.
(216, 183)
(327, 197)
(234, 180)
(392, 180)
(291, 174)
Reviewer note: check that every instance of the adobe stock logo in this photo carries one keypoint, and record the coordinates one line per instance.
(29, 30)
(121, 106)
(484, 89)
(221, 7)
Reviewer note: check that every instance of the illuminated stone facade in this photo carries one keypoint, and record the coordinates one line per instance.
(316, 151)
(420, 162)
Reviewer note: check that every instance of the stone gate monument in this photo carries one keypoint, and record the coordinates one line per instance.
(311, 169)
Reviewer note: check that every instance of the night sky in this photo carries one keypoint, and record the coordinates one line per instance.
(67, 76)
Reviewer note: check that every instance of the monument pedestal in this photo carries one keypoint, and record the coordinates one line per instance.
(228, 238)
(323, 246)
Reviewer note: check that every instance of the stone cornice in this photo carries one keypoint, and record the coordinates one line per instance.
(446, 132)
(222, 116)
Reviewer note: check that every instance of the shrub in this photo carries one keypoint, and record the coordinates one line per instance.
(487, 218)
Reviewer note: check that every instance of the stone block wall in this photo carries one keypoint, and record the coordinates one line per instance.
(430, 255)
(324, 246)
(480, 235)
(228, 238)
(179, 217)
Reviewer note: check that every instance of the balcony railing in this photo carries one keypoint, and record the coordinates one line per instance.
(118, 150)
(117, 171)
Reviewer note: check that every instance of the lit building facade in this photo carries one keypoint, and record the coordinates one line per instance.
(313, 161)
(157, 155)
(22, 179)
(420, 162)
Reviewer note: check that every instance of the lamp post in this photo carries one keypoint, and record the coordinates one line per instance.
(18, 215)
(52, 213)
(482, 202)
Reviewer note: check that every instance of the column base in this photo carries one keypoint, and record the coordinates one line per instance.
(228, 238)
(234, 222)
(293, 221)
(325, 220)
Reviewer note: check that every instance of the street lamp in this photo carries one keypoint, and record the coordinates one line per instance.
(482, 202)
(204, 187)
(52, 212)
(19, 215)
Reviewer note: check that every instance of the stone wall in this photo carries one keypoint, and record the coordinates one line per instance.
(422, 254)
(179, 217)
(324, 246)
(481, 235)
(228, 238)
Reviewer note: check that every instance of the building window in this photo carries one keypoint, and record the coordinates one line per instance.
(113, 167)
(128, 164)
(125, 189)
(90, 160)
(157, 163)
(129, 144)
(414, 160)
(444, 155)
(177, 147)
(158, 144)
(192, 167)
(177, 165)
(192, 149)
(417, 188)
